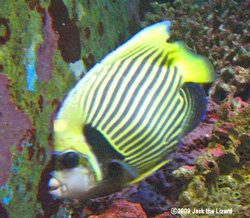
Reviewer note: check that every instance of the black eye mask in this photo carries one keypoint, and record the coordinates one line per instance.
(70, 160)
(67, 160)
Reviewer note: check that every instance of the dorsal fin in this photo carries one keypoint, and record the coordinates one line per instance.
(193, 67)
(153, 36)
(197, 103)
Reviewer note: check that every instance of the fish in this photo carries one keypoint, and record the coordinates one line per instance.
(119, 123)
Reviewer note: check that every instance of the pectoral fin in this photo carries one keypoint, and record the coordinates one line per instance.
(118, 175)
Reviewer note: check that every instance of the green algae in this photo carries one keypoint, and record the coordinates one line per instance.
(22, 197)
(26, 28)
(25, 20)
(97, 21)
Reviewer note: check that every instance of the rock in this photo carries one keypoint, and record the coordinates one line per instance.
(122, 208)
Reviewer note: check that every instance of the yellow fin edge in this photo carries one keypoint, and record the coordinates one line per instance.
(147, 173)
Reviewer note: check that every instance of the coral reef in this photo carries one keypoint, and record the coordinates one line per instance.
(218, 30)
(220, 178)
(122, 208)
(45, 46)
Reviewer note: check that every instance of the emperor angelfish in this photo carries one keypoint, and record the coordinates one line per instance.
(122, 119)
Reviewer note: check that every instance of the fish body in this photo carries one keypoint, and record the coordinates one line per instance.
(121, 120)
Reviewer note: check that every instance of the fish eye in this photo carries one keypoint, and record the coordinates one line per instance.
(70, 159)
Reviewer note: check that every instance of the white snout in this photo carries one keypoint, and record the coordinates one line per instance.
(57, 190)
(71, 183)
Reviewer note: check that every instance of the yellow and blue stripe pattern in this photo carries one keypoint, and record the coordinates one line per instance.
(140, 99)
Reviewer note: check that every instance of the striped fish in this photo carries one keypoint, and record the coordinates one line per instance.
(120, 121)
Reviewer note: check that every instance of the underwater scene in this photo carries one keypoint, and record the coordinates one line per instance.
(130, 108)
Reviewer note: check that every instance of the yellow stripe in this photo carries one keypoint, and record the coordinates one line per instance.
(83, 88)
(140, 154)
(145, 104)
(100, 82)
(118, 75)
(151, 112)
(157, 129)
(103, 76)
(137, 98)
(110, 92)
(168, 137)
(154, 157)
(120, 92)
(163, 146)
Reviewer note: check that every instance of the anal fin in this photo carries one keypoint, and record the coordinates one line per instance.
(150, 171)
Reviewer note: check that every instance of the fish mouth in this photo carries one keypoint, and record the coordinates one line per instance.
(56, 188)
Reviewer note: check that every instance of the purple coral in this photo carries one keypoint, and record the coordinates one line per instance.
(13, 126)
